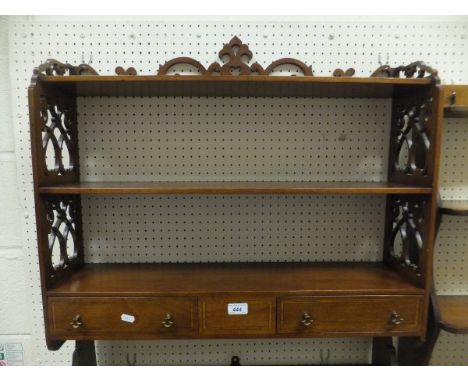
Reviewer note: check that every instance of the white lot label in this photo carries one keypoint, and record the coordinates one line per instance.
(238, 308)
(127, 318)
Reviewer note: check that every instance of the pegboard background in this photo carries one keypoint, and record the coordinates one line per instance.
(347, 142)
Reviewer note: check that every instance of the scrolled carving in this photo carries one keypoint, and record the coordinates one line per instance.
(341, 73)
(417, 69)
(410, 138)
(56, 68)
(61, 226)
(131, 71)
(306, 70)
(58, 128)
(406, 240)
(164, 69)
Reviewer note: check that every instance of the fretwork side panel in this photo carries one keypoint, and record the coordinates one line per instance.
(145, 42)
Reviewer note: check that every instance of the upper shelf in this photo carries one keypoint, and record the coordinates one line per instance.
(233, 76)
(310, 188)
(454, 207)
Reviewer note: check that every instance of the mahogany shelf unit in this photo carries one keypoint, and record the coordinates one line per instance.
(87, 302)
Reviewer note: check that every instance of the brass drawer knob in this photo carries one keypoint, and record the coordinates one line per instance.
(306, 320)
(396, 318)
(76, 322)
(168, 321)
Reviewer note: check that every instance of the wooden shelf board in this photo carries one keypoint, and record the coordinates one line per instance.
(453, 312)
(229, 86)
(454, 207)
(312, 188)
(195, 279)
(456, 112)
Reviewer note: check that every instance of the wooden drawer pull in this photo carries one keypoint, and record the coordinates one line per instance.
(306, 320)
(168, 321)
(396, 318)
(76, 322)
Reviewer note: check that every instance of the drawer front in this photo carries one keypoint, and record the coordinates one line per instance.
(216, 320)
(122, 317)
(349, 315)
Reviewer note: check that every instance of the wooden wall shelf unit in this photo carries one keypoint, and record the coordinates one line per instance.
(87, 302)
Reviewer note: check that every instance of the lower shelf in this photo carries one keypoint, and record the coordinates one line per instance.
(111, 280)
(243, 300)
(453, 311)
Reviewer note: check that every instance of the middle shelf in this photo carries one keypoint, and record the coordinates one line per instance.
(250, 187)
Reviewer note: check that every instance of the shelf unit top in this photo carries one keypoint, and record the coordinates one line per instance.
(231, 86)
(197, 278)
(453, 312)
(212, 187)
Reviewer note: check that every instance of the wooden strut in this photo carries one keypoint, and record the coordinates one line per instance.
(84, 354)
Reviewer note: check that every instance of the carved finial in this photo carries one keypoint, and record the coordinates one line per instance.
(235, 50)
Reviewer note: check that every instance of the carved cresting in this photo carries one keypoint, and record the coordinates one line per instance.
(406, 241)
(237, 56)
(411, 143)
(58, 136)
(62, 233)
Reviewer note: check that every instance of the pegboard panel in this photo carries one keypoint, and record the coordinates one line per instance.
(251, 352)
(145, 43)
(228, 139)
(233, 228)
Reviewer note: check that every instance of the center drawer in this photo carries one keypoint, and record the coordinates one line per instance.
(237, 316)
(123, 318)
(350, 315)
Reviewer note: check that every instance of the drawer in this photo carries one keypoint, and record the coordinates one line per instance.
(123, 318)
(365, 315)
(216, 320)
